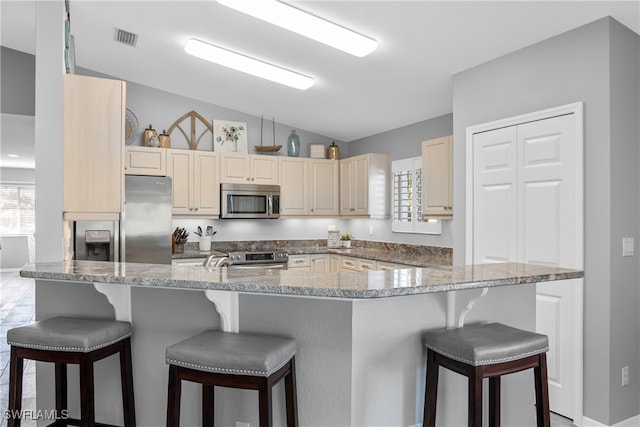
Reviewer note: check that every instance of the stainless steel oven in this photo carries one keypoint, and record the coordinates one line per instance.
(249, 201)
(275, 260)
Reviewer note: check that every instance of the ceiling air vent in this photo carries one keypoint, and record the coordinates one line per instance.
(130, 39)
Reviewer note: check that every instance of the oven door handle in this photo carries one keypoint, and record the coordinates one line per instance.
(275, 266)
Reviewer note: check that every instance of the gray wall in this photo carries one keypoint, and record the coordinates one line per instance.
(17, 87)
(160, 109)
(17, 96)
(403, 143)
(624, 54)
(579, 66)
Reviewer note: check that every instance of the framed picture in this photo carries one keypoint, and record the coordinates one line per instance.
(229, 136)
(316, 151)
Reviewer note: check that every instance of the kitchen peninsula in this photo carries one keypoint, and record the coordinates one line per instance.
(360, 359)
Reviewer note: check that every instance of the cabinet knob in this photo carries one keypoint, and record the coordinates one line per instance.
(253, 179)
(248, 179)
(196, 209)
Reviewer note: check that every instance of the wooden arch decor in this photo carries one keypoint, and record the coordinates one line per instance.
(191, 137)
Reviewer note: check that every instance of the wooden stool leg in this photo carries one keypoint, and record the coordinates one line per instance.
(126, 379)
(16, 369)
(87, 399)
(173, 399)
(61, 388)
(291, 395)
(494, 401)
(264, 397)
(207, 405)
(475, 399)
(542, 392)
(431, 392)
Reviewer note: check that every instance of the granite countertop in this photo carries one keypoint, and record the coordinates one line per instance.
(373, 284)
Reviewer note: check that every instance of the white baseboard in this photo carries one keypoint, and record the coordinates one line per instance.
(631, 422)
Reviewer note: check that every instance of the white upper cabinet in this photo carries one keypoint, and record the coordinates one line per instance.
(365, 186)
(248, 169)
(325, 189)
(196, 182)
(145, 161)
(437, 173)
(294, 186)
(308, 187)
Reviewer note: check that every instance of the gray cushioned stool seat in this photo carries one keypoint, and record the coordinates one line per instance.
(69, 334)
(486, 344)
(231, 353)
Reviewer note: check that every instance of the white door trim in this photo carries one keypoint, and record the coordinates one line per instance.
(578, 110)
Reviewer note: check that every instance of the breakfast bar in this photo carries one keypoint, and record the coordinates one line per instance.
(360, 359)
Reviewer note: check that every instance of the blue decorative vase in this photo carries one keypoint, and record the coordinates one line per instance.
(293, 145)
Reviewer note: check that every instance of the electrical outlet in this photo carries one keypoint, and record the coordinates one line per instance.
(628, 246)
(371, 230)
(625, 376)
(242, 424)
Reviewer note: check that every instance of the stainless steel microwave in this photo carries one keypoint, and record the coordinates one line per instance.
(249, 201)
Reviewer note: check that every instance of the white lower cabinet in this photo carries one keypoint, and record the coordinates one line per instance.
(338, 263)
(335, 261)
(188, 261)
(384, 265)
(299, 262)
(320, 263)
(349, 264)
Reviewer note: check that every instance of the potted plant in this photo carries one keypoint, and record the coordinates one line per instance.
(345, 237)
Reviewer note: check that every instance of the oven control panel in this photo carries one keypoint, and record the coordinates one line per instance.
(269, 257)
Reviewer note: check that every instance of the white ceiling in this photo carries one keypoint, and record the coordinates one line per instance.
(422, 44)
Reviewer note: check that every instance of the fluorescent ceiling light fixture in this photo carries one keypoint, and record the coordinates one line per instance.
(15, 156)
(306, 24)
(246, 64)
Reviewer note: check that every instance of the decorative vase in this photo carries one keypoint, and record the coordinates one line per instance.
(346, 243)
(293, 145)
(334, 151)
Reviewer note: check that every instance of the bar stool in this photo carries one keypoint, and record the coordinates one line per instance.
(245, 361)
(69, 340)
(486, 351)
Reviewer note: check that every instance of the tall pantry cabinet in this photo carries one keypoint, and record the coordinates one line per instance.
(93, 135)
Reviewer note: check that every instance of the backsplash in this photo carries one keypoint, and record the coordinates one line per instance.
(400, 250)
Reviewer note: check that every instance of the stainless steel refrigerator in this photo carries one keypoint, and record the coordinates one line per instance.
(145, 224)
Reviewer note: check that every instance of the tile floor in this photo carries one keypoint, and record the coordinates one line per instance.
(17, 307)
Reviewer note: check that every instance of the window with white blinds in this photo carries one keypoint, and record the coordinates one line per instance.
(407, 199)
(17, 208)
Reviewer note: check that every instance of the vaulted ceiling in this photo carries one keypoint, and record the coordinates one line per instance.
(421, 45)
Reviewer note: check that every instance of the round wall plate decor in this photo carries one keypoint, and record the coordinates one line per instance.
(130, 127)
